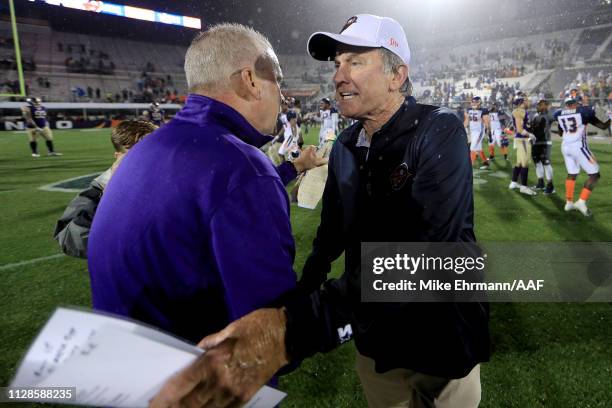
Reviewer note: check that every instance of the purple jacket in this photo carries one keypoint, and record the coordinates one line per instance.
(193, 230)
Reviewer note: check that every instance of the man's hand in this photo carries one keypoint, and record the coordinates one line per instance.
(238, 361)
(532, 137)
(308, 159)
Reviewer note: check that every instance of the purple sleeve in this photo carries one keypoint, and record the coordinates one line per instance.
(287, 172)
(252, 245)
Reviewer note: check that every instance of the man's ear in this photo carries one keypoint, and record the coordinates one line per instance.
(399, 77)
(246, 85)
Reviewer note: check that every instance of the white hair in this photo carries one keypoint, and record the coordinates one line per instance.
(391, 64)
(219, 51)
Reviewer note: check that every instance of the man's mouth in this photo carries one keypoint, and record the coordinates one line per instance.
(347, 95)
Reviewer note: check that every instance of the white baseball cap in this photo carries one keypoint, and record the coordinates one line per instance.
(362, 30)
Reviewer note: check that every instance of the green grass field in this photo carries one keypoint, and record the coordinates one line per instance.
(552, 355)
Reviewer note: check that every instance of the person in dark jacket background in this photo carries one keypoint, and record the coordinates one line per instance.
(72, 229)
(542, 147)
(194, 231)
(402, 173)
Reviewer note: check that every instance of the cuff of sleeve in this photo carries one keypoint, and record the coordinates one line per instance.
(300, 337)
(287, 172)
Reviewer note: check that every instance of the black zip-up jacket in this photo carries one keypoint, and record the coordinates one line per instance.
(413, 185)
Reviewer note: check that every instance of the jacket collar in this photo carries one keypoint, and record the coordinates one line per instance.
(402, 121)
(202, 110)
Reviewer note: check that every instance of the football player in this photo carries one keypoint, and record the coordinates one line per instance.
(328, 117)
(540, 125)
(476, 122)
(35, 116)
(290, 148)
(572, 121)
(156, 114)
(497, 119)
(522, 141)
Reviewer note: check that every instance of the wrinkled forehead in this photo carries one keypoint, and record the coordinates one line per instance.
(267, 66)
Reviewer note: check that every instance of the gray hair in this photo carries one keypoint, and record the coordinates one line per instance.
(391, 63)
(215, 54)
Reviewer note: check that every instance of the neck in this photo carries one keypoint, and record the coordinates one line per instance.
(239, 105)
(375, 122)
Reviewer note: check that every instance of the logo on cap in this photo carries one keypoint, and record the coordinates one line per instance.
(348, 23)
(393, 42)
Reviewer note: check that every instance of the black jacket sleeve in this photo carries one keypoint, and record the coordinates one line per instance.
(443, 181)
(327, 244)
(319, 321)
(598, 123)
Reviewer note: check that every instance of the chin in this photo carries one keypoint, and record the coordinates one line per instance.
(344, 110)
(347, 111)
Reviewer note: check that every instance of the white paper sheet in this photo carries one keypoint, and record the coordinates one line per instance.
(311, 187)
(110, 361)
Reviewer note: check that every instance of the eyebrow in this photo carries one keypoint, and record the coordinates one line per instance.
(349, 55)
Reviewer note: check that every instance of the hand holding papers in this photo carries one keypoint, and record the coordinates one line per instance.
(313, 183)
(240, 359)
(111, 362)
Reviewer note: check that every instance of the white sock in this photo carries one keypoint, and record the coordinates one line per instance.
(539, 170)
(549, 172)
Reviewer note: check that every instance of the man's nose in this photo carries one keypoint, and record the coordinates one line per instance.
(341, 75)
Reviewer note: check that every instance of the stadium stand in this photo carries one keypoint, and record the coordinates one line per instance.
(67, 66)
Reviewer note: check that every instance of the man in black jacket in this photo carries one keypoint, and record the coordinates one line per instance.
(400, 174)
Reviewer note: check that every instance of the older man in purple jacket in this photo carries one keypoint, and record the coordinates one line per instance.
(194, 231)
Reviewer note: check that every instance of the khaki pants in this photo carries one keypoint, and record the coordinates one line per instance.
(402, 388)
(44, 132)
(523, 152)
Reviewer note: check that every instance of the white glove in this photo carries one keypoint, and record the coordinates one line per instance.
(532, 137)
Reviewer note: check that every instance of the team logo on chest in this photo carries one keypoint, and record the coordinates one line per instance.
(399, 176)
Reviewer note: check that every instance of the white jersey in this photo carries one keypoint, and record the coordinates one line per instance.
(290, 144)
(573, 127)
(286, 118)
(475, 119)
(286, 125)
(573, 123)
(495, 121)
(329, 123)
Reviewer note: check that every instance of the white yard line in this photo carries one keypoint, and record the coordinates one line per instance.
(51, 187)
(29, 262)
